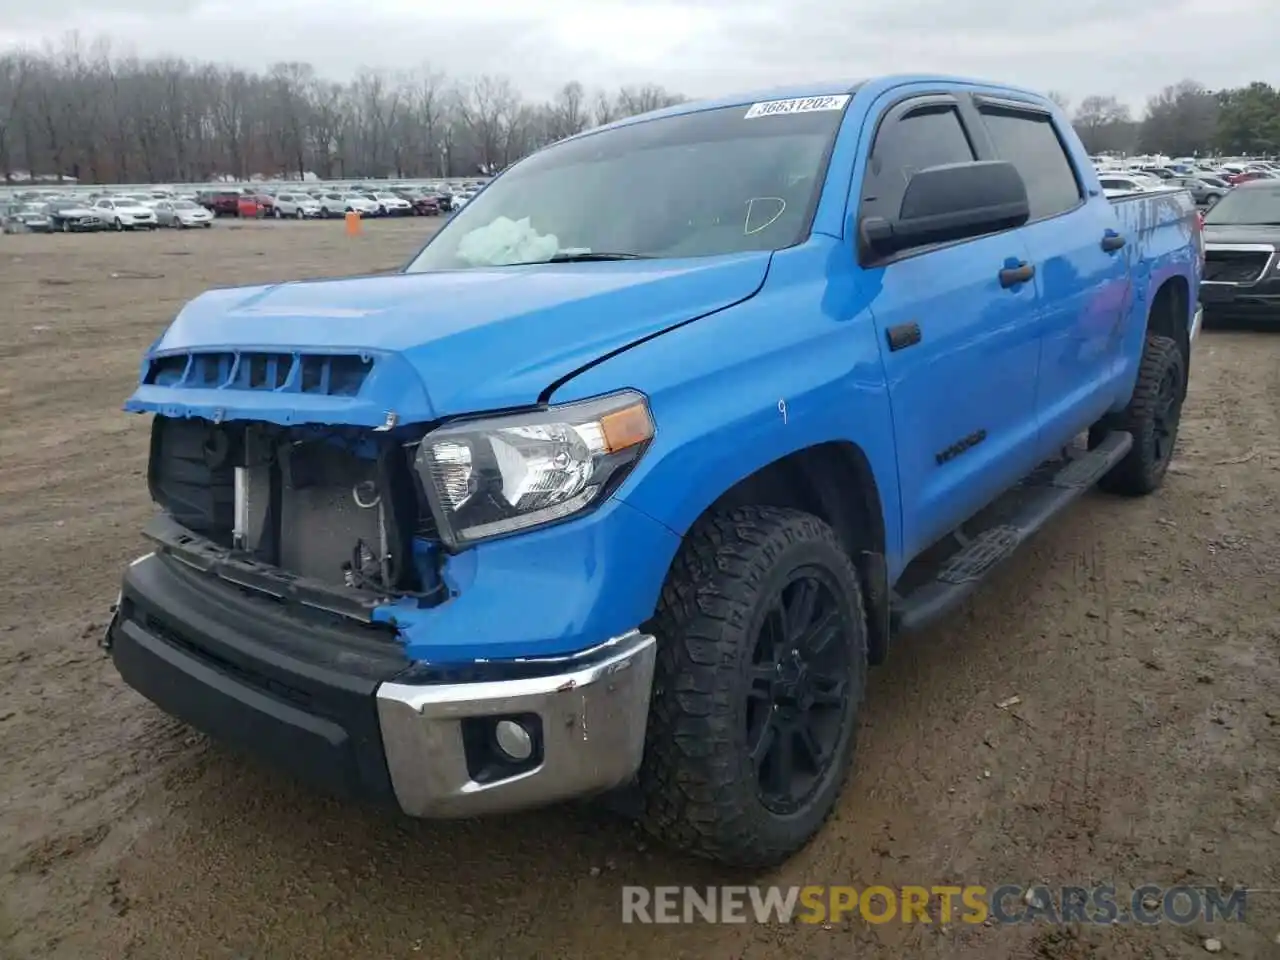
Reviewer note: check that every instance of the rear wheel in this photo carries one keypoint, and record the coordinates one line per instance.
(1153, 415)
(760, 674)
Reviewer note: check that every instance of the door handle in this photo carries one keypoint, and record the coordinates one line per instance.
(1012, 276)
(1112, 242)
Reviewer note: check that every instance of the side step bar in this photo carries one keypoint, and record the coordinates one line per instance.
(960, 573)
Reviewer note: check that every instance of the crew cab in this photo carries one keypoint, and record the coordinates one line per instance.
(622, 483)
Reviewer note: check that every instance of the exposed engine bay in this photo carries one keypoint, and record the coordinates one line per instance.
(337, 506)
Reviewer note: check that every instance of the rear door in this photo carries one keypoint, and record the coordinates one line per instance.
(1081, 273)
(960, 349)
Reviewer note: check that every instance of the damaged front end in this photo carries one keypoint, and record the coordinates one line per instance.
(327, 517)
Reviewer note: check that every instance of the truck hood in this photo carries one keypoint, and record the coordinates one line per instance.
(444, 343)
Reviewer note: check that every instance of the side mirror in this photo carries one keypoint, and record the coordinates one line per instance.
(951, 202)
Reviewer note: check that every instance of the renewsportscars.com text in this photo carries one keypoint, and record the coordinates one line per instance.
(972, 904)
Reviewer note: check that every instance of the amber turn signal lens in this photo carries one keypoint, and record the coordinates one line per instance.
(626, 427)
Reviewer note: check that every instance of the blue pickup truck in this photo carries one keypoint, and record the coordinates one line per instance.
(621, 483)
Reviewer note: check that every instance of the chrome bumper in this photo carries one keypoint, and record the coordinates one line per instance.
(1197, 321)
(591, 712)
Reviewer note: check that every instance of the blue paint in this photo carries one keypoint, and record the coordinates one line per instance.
(726, 340)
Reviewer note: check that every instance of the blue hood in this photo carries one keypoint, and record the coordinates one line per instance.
(440, 344)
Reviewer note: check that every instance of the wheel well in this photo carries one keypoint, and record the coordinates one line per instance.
(1170, 309)
(833, 481)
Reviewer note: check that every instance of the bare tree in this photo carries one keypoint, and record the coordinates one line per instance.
(1182, 119)
(488, 110)
(15, 75)
(1104, 124)
(567, 113)
(77, 109)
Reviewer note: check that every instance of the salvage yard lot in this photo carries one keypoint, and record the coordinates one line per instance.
(1142, 638)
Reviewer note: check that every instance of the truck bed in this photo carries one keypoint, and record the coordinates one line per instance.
(1158, 228)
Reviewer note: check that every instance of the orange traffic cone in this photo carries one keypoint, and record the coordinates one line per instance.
(353, 223)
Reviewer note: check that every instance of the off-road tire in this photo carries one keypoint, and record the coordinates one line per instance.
(697, 783)
(1142, 470)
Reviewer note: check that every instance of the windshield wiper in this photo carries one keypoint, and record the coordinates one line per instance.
(587, 257)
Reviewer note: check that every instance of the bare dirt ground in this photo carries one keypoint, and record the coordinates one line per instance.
(1142, 637)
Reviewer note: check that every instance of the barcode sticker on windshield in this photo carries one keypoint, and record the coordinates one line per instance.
(770, 108)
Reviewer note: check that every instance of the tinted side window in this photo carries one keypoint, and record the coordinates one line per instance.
(1029, 142)
(927, 137)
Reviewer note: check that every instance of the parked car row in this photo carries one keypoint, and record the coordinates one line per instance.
(74, 209)
(321, 201)
(1208, 181)
(105, 213)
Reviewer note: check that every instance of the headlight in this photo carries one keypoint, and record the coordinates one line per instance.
(486, 478)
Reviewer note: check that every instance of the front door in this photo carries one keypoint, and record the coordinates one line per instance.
(960, 343)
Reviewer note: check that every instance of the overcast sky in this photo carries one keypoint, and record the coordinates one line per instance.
(700, 47)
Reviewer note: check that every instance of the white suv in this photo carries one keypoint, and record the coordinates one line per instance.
(297, 205)
(339, 204)
(126, 213)
(390, 205)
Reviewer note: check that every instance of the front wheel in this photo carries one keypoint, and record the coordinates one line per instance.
(1152, 416)
(761, 667)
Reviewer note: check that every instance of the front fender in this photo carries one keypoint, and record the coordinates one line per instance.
(795, 366)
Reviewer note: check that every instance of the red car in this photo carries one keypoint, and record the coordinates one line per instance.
(229, 203)
(424, 204)
(1235, 178)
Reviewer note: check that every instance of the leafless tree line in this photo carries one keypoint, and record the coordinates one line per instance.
(82, 111)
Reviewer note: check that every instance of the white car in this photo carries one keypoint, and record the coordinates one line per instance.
(340, 204)
(126, 213)
(389, 205)
(1122, 184)
(296, 205)
(182, 214)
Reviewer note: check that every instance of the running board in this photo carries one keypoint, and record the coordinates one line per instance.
(1039, 501)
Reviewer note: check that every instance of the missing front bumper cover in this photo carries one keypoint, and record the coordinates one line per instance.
(199, 553)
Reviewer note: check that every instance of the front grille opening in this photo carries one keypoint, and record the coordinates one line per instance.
(1234, 266)
(337, 507)
(210, 369)
(266, 371)
(166, 371)
(347, 375)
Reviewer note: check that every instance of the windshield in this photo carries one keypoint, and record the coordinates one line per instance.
(1244, 206)
(700, 184)
(184, 205)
